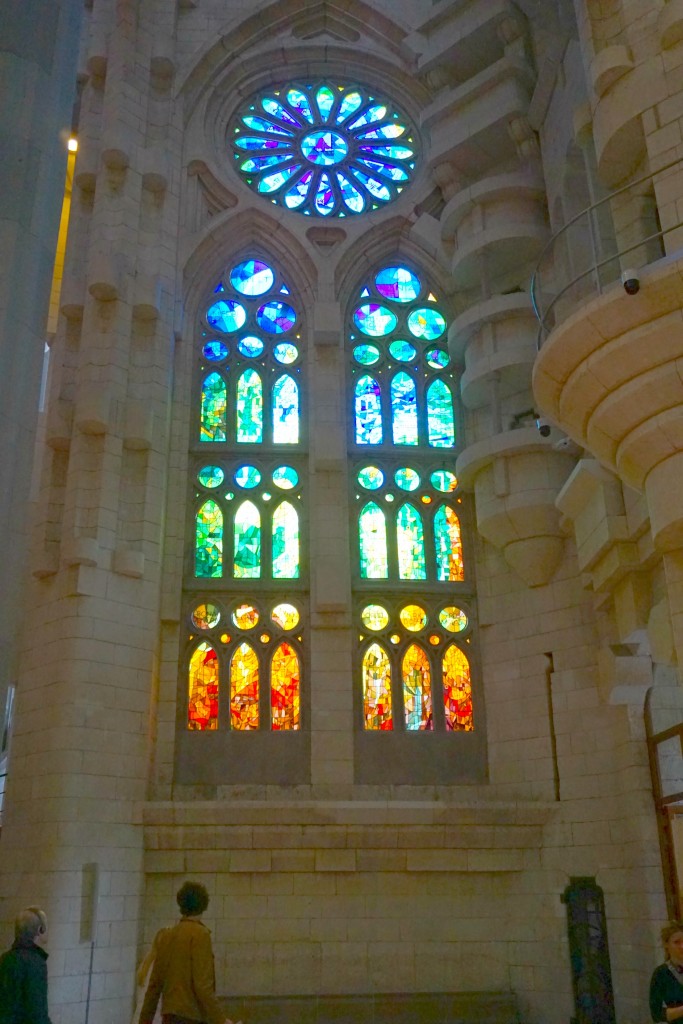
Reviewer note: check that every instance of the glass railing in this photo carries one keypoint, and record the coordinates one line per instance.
(630, 228)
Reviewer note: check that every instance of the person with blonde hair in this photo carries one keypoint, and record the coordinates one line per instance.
(23, 971)
(666, 984)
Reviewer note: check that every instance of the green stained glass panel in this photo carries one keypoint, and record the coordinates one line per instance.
(426, 324)
(372, 536)
(247, 542)
(407, 479)
(366, 355)
(213, 408)
(410, 544)
(209, 541)
(417, 690)
(453, 619)
(247, 477)
(448, 545)
(249, 408)
(285, 410)
(374, 320)
(374, 616)
(437, 358)
(285, 352)
(440, 422)
(403, 351)
(285, 542)
(368, 409)
(211, 476)
(444, 480)
(403, 409)
(370, 477)
(325, 98)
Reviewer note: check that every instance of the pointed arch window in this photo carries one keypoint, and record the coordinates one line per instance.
(414, 598)
(246, 583)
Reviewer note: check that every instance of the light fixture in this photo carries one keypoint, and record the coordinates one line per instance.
(72, 145)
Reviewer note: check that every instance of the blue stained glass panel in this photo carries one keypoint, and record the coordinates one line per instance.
(251, 346)
(398, 283)
(374, 187)
(249, 408)
(249, 142)
(285, 542)
(410, 544)
(253, 277)
(372, 538)
(395, 173)
(370, 477)
(214, 351)
(350, 194)
(387, 131)
(247, 542)
(285, 477)
(226, 315)
(297, 194)
(260, 124)
(299, 101)
(247, 477)
(402, 351)
(368, 409)
(324, 148)
(276, 317)
(440, 421)
(366, 355)
(262, 163)
(324, 196)
(426, 324)
(374, 320)
(213, 415)
(276, 109)
(448, 545)
(404, 409)
(349, 105)
(437, 358)
(325, 100)
(211, 476)
(372, 114)
(272, 182)
(285, 410)
(389, 152)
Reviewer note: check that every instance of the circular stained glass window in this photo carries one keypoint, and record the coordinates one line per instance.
(374, 616)
(324, 148)
(226, 315)
(444, 480)
(211, 476)
(250, 346)
(407, 479)
(247, 477)
(206, 616)
(426, 324)
(245, 616)
(252, 277)
(215, 351)
(276, 317)
(371, 478)
(398, 283)
(286, 353)
(374, 320)
(285, 477)
(403, 351)
(366, 354)
(453, 619)
(437, 358)
(413, 617)
(284, 615)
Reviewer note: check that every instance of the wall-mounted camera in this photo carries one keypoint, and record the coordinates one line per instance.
(542, 426)
(630, 279)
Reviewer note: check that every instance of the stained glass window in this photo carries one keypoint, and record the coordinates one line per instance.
(209, 540)
(377, 689)
(202, 710)
(408, 535)
(246, 636)
(324, 148)
(285, 700)
(457, 690)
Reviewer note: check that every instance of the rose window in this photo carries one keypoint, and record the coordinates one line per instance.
(324, 149)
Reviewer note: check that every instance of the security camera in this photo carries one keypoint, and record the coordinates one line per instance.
(630, 281)
(542, 426)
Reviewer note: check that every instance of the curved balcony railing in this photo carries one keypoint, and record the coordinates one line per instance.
(589, 254)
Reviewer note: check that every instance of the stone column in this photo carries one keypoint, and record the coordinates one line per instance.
(37, 84)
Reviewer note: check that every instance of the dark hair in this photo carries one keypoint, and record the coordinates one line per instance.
(192, 898)
(670, 929)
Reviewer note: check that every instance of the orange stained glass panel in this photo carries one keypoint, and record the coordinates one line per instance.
(377, 689)
(202, 706)
(244, 686)
(285, 690)
(457, 691)
(417, 689)
(448, 545)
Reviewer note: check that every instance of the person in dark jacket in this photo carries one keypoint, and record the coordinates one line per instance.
(666, 984)
(23, 972)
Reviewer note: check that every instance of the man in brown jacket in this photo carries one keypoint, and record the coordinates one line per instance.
(183, 972)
